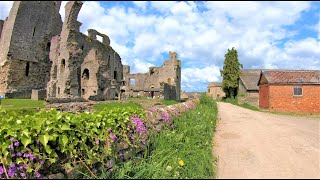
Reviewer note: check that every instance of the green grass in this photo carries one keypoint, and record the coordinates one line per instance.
(22, 106)
(168, 102)
(190, 141)
(244, 105)
(110, 105)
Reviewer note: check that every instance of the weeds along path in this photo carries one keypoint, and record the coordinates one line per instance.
(251, 144)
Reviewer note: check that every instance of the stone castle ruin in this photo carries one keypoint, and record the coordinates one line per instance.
(160, 82)
(82, 66)
(43, 58)
(25, 45)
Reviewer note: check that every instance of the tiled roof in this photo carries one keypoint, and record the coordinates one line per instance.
(250, 78)
(215, 84)
(292, 76)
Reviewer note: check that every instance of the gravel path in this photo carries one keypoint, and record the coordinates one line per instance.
(252, 144)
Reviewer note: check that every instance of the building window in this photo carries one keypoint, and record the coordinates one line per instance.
(27, 69)
(63, 65)
(85, 74)
(132, 81)
(297, 91)
(48, 46)
(208, 90)
(115, 75)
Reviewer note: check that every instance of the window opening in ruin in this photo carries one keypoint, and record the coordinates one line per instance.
(55, 72)
(58, 90)
(132, 81)
(83, 91)
(151, 71)
(48, 46)
(114, 74)
(68, 91)
(85, 74)
(27, 69)
(82, 47)
(95, 92)
(169, 81)
(63, 64)
(34, 30)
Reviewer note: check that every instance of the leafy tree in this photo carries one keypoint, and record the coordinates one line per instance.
(231, 73)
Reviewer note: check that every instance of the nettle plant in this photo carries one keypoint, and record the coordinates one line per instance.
(30, 145)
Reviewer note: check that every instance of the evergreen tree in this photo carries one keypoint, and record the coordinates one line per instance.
(231, 73)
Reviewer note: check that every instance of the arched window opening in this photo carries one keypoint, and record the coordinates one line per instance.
(169, 81)
(27, 69)
(85, 74)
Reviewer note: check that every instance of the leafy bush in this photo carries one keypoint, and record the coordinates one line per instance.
(32, 145)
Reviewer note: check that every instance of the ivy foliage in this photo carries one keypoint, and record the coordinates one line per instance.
(51, 136)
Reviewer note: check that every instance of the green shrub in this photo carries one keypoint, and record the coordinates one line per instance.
(48, 138)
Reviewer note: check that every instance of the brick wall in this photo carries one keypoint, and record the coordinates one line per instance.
(281, 99)
(264, 96)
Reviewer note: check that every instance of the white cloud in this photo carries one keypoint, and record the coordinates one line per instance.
(201, 38)
(205, 75)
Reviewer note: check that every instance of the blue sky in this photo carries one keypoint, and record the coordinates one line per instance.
(273, 35)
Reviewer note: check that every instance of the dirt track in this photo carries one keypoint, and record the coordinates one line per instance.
(252, 144)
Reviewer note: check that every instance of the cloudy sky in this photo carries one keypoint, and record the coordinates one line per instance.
(272, 35)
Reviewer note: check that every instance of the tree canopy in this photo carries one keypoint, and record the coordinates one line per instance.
(231, 73)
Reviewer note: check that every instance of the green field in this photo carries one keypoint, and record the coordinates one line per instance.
(22, 106)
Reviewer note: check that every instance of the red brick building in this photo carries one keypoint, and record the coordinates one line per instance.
(290, 90)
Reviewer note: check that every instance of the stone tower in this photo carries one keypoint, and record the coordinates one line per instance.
(170, 77)
(25, 45)
(82, 67)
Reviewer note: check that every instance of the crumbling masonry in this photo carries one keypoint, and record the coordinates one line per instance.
(24, 46)
(41, 57)
(160, 82)
(82, 66)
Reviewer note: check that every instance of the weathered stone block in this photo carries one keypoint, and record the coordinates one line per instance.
(38, 94)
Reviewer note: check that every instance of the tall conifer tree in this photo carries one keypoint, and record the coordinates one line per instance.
(231, 73)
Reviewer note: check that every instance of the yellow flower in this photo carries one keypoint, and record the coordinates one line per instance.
(181, 162)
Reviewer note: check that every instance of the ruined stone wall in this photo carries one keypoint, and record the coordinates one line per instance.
(82, 66)
(171, 77)
(1, 27)
(166, 78)
(25, 45)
